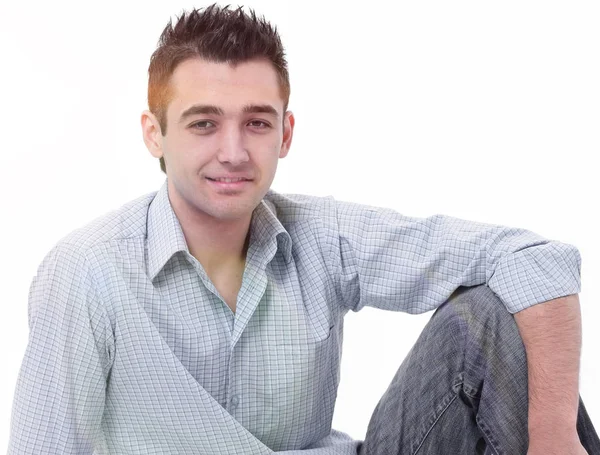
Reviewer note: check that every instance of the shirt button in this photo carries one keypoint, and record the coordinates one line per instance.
(234, 401)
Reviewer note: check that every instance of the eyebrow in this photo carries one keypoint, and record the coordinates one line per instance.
(215, 110)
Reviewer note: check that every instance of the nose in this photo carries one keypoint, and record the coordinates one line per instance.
(232, 148)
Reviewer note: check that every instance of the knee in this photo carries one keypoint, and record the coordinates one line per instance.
(477, 314)
(477, 305)
(488, 332)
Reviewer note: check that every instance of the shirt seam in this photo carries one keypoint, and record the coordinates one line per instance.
(106, 340)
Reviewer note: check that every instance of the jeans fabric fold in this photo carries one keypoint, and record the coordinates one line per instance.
(462, 388)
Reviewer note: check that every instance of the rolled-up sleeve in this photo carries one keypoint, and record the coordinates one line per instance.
(60, 391)
(390, 261)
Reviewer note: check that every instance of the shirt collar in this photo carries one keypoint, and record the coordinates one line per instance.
(165, 236)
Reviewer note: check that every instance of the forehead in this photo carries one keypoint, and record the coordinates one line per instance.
(199, 81)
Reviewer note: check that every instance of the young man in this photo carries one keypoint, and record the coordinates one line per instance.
(207, 317)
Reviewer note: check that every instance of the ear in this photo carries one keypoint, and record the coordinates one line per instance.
(288, 131)
(152, 134)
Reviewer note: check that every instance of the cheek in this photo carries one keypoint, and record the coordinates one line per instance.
(272, 162)
(188, 143)
(193, 152)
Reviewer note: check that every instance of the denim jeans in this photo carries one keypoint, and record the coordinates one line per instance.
(462, 388)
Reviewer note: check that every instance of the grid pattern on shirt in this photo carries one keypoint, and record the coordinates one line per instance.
(133, 350)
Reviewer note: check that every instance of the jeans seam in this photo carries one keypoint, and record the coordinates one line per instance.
(471, 392)
(454, 397)
(488, 436)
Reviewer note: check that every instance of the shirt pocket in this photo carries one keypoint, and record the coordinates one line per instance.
(299, 388)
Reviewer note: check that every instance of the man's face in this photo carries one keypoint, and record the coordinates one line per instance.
(220, 138)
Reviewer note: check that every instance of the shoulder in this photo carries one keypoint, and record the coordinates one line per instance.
(126, 221)
(329, 210)
(293, 208)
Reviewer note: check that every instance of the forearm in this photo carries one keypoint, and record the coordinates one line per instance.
(551, 333)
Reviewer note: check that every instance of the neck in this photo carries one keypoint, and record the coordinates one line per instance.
(218, 245)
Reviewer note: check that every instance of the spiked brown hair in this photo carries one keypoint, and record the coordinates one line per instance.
(218, 35)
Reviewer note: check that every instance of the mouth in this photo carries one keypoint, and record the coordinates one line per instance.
(228, 180)
(229, 184)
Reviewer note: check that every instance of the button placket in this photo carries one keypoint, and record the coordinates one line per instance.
(233, 403)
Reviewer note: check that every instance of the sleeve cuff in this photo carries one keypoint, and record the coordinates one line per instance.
(537, 274)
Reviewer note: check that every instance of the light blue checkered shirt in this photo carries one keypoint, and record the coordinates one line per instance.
(132, 350)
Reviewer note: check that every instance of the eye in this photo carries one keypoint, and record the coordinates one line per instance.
(265, 124)
(195, 125)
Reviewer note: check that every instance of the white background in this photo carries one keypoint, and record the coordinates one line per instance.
(488, 112)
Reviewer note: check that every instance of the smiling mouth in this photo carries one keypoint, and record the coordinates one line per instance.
(226, 180)
(223, 185)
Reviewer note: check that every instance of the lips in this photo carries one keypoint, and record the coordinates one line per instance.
(228, 178)
(223, 179)
(228, 186)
